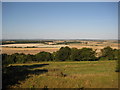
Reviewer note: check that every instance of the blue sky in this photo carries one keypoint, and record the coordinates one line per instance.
(60, 20)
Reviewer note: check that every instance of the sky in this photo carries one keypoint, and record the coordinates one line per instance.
(60, 0)
(59, 20)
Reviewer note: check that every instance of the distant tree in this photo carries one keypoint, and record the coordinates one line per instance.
(84, 54)
(44, 56)
(75, 54)
(63, 54)
(87, 54)
(108, 53)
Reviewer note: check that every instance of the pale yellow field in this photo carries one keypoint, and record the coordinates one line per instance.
(52, 48)
(27, 50)
(39, 45)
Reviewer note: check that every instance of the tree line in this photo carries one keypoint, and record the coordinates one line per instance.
(25, 41)
(63, 54)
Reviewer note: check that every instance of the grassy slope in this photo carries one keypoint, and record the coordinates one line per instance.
(95, 74)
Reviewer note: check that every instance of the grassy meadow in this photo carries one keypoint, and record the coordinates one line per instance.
(83, 74)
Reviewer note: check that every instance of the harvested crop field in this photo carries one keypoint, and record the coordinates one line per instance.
(27, 50)
(33, 48)
(39, 45)
(10, 50)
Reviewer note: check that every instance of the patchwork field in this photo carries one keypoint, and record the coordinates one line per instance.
(84, 74)
(38, 47)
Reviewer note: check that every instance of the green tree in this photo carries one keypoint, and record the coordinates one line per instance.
(44, 56)
(75, 54)
(108, 53)
(30, 58)
(87, 54)
(63, 54)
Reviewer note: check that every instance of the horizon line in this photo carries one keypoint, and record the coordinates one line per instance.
(60, 39)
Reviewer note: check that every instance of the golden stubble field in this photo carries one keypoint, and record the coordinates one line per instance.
(27, 50)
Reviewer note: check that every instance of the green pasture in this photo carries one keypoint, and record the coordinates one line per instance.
(82, 74)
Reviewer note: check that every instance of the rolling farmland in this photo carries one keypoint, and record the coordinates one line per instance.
(33, 48)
